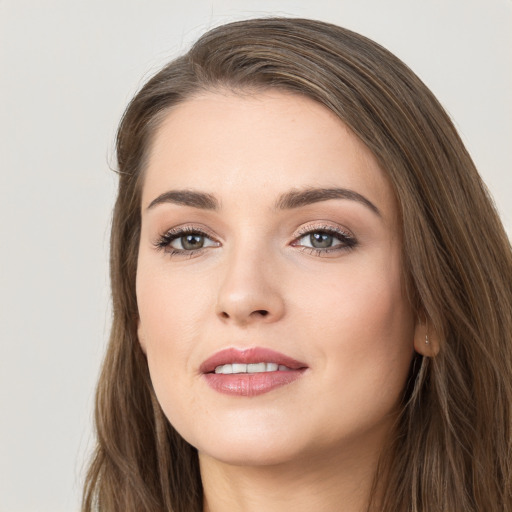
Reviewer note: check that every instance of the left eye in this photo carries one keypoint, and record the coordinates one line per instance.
(319, 240)
(322, 239)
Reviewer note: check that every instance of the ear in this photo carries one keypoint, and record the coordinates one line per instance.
(426, 342)
(140, 336)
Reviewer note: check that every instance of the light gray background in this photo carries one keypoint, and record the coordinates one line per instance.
(67, 69)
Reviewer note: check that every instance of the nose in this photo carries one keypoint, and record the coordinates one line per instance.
(250, 291)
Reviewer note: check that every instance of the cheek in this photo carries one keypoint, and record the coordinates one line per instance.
(170, 305)
(175, 309)
(168, 318)
(364, 327)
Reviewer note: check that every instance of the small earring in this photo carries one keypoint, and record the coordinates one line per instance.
(427, 342)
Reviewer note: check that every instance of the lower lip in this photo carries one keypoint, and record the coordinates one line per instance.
(251, 384)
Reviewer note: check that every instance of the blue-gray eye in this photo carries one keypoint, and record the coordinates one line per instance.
(321, 240)
(326, 240)
(191, 242)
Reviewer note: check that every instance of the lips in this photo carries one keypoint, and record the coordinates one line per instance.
(250, 372)
(249, 356)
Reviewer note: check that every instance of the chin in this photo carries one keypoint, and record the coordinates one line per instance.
(250, 446)
(250, 454)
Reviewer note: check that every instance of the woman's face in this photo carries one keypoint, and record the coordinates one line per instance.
(270, 235)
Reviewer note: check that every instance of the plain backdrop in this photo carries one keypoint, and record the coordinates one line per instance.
(67, 70)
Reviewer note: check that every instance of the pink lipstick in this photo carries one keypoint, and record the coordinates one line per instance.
(250, 372)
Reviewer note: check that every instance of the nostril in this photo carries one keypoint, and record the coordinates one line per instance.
(244, 315)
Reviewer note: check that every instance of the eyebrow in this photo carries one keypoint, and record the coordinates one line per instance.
(298, 198)
(288, 201)
(187, 198)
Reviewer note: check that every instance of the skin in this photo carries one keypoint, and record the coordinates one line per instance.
(312, 444)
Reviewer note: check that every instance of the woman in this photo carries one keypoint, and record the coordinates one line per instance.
(312, 290)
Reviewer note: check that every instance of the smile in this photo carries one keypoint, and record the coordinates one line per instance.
(250, 372)
(251, 368)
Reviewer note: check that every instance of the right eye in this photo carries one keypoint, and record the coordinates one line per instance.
(185, 241)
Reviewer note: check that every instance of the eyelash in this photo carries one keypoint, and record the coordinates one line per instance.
(164, 241)
(348, 241)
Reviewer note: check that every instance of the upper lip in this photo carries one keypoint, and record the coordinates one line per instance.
(247, 356)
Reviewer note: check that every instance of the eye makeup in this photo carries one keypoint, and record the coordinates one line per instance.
(324, 240)
(315, 239)
(185, 240)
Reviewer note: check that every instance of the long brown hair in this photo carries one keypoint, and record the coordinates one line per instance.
(453, 445)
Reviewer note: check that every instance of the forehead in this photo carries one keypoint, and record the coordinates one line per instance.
(260, 145)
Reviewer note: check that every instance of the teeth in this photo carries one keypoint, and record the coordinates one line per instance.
(256, 368)
(239, 368)
(227, 368)
(251, 368)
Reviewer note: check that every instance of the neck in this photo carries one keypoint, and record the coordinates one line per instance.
(325, 482)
